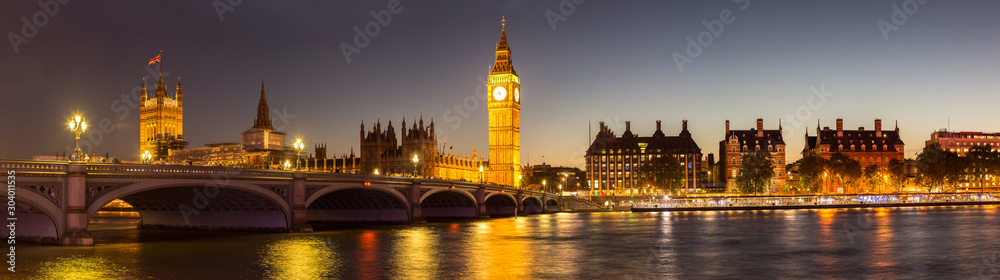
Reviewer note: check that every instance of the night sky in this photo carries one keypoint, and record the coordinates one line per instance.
(609, 61)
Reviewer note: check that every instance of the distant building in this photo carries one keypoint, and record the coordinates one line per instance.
(612, 162)
(741, 142)
(961, 142)
(382, 152)
(869, 147)
(262, 146)
(555, 178)
(261, 139)
(161, 121)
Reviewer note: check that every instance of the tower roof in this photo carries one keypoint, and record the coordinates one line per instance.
(263, 120)
(503, 63)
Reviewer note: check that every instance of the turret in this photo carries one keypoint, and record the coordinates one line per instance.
(179, 95)
(143, 93)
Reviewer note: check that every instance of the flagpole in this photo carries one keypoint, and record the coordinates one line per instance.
(161, 64)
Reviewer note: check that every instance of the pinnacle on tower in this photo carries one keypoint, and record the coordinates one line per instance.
(503, 62)
(263, 120)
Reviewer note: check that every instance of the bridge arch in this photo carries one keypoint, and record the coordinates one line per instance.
(200, 204)
(37, 216)
(552, 205)
(500, 204)
(441, 203)
(532, 205)
(357, 203)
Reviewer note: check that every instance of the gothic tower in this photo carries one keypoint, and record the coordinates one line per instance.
(161, 120)
(504, 95)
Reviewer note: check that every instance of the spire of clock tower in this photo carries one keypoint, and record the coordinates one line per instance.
(503, 63)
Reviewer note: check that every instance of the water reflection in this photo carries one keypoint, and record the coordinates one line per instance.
(300, 257)
(82, 268)
(927, 242)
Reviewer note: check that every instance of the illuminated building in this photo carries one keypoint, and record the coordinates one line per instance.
(961, 142)
(504, 103)
(741, 142)
(612, 162)
(161, 120)
(869, 147)
(381, 151)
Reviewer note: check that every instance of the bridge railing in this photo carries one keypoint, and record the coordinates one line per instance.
(32, 166)
(156, 169)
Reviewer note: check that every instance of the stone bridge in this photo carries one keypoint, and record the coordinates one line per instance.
(55, 201)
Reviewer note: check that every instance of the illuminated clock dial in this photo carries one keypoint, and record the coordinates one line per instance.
(517, 95)
(499, 93)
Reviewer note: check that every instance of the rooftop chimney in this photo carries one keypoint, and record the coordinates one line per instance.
(628, 126)
(840, 127)
(878, 127)
(760, 127)
(684, 125)
(727, 127)
(657, 125)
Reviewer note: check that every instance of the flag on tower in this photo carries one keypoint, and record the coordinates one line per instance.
(155, 59)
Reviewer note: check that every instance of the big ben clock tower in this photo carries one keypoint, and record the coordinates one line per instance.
(504, 95)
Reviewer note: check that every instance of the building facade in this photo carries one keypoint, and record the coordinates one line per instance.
(961, 142)
(504, 103)
(612, 162)
(383, 153)
(738, 143)
(868, 147)
(161, 121)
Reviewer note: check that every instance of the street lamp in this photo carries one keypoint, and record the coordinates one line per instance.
(288, 165)
(480, 174)
(376, 171)
(416, 160)
(298, 151)
(146, 157)
(544, 188)
(78, 126)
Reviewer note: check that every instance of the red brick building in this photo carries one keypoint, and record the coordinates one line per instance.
(866, 146)
(740, 142)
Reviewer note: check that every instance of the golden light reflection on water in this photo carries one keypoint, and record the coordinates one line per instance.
(82, 268)
(416, 257)
(305, 257)
(498, 248)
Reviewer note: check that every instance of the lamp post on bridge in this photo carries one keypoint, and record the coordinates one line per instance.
(416, 160)
(78, 126)
(298, 152)
(480, 174)
(146, 157)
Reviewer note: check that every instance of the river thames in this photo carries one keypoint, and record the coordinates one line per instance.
(955, 242)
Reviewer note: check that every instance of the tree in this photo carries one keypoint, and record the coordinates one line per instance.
(755, 173)
(873, 178)
(811, 170)
(932, 166)
(844, 170)
(663, 172)
(979, 162)
(897, 174)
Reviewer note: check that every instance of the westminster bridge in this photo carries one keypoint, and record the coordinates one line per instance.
(55, 201)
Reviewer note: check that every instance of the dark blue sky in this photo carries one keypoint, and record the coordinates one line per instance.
(609, 61)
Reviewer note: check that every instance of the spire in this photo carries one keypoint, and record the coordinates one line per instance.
(143, 92)
(178, 94)
(503, 62)
(263, 120)
(161, 90)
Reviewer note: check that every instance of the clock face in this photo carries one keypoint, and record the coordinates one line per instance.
(499, 93)
(517, 95)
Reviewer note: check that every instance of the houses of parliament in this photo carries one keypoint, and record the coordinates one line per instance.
(381, 152)
(415, 151)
